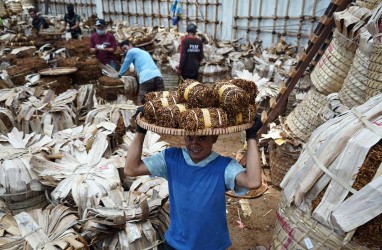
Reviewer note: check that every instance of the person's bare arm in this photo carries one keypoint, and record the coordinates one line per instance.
(251, 178)
(134, 166)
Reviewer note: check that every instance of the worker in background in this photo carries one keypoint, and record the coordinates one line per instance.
(191, 54)
(103, 44)
(197, 180)
(38, 22)
(150, 78)
(73, 20)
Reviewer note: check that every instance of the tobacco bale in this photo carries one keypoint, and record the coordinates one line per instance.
(169, 116)
(242, 117)
(159, 94)
(196, 94)
(10, 58)
(109, 93)
(33, 63)
(18, 73)
(369, 234)
(59, 84)
(68, 62)
(75, 47)
(248, 86)
(231, 98)
(110, 82)
(194, 119)
(26, 53)
(90, 74)
(150, 108)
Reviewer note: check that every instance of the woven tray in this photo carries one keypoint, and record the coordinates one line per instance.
(175, 131)
(57, 71)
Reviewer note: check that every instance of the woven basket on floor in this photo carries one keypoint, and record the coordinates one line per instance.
(333, 67)
(370, 4)
(296, 230)
(305, 118)
(353, 92)
(374, 82)
(281, 158)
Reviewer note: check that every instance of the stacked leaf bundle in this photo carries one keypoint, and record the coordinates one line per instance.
(160, 94)
(231, 98)
(150, 108)
(248, 86)
(196, 94)
(201, 118)
(246, 116)
(170, 116)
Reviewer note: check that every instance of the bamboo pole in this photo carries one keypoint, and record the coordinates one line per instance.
(128, 12)
(144, 13)
(286, 17)
(302, 18)
(169, 17)
(274, 20)
(136, 11)
(160, 14)
(313, 15)
(206, 16)
(216, 18)
(259, 20)
(249, 20)
(152, 13)
(197, 12)
(235, 19)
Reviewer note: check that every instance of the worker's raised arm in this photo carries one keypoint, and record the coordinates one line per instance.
(251, 178)
(134, 166)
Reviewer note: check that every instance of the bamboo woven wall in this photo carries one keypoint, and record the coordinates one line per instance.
(263, 20)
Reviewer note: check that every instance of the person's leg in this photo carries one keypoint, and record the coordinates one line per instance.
(144, 88)
(158, 84)
(112, 64)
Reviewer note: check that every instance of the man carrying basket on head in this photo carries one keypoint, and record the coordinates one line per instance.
(198, 179)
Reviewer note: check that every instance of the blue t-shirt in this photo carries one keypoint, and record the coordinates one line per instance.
(143, 64)
(156, 164)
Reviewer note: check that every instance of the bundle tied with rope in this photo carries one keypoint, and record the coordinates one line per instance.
(248, 86)
(161, 94)
(202, 118)
(150, 108)
(246, 116)
(231, 98)
(170, 115)
(196, 94)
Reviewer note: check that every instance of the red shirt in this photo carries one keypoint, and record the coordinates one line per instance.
(109, 41)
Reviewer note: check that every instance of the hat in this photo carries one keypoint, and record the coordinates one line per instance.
(100, 22)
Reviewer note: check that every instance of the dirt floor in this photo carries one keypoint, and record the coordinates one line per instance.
(247, 232)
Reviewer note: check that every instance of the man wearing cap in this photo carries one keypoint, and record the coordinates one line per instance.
(103, 44)
(73, 20)
(191, 54)
(38, 22)
(197, 180)
(150, 78)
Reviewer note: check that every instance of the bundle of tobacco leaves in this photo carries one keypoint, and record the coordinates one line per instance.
(246, 116)
(196, 94)
(150, 108)
(194, 119)
(248, 86)
(160, 94)
(231, 98)
(169, 116)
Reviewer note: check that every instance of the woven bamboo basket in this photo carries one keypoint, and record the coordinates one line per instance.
(333, 67)
(281, 159)
(370, 4)
(353, 92)
(304, 119)
(181, 132)
(374, 82)
(296, 230)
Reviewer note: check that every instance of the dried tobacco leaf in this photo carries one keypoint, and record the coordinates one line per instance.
(160, 94)
(196, 94)
(242, 117)
(150, 108)
(194, 119)
(249, 87)
(231, 98)
(169, 116)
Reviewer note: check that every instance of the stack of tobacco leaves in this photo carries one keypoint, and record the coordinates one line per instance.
(160, 94)
(169, 116)
(248, 86)
(150, 108)
(196, 94)
(369, 234)
(123, 221)
(194, 119)
(246, 116)
(110, 88)
(231, 98)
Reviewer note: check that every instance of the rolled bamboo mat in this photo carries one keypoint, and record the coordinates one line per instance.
(374, 82)
(305, 118)
(296, 230)
(281, 159)
(370, 4)
(333, 67)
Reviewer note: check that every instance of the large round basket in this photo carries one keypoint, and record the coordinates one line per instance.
(333, 67)
(281, 158)
(296, 230)
(305, 118)
(176, 131)
(374, 83)
(353, 92)
(370, 4)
